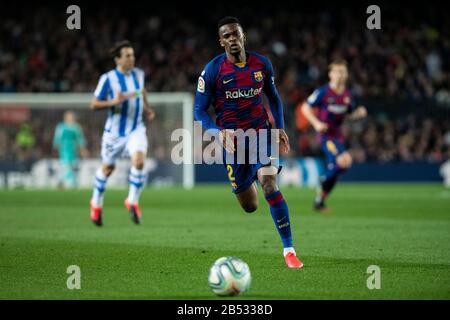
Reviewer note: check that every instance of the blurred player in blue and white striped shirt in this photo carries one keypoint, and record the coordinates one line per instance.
(121, 91)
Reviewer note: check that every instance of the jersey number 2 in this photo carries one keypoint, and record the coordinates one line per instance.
(230, 173)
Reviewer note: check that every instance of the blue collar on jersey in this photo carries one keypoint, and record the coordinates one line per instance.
(124, 73)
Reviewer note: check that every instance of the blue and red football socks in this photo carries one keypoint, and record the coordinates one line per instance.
(280, 216)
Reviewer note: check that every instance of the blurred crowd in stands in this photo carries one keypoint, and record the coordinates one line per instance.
(378, 138)
(408, 60)
(381, 139)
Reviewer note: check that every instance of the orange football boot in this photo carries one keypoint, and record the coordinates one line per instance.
(292, 261)
(96, 215)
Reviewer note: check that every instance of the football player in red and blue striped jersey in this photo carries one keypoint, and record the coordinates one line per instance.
(234, 83)
(334, 103)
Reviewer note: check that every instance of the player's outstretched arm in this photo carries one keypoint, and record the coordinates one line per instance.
(225, 136)
(81, 142)
(359, 113)
(318, 125)
(271, 92)
(200, 112)
(149, 112)
(276, 107)
(203, 99)
(57, 137)
(101, 104)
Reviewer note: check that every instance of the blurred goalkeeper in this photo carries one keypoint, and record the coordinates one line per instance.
(121, 91)
(69, 141)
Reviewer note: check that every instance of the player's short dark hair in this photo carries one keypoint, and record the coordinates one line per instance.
(337, 62)
(114, 52)
(228, 20)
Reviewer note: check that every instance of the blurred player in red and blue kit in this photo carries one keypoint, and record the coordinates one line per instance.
(234, 83)
(333, 102)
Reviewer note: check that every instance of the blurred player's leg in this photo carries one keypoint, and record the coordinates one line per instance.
(62, 174)
(112, 148)
(137, 149)
(338, 161)
(71, 176)
(136, 180)
(248, 199)
(67, 176)
(328, 181)
(101, 177)
(280, 216)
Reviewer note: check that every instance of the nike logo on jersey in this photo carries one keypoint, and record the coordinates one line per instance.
(227, 81)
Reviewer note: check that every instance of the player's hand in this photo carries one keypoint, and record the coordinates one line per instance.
(84, 153)
(360, 112)
(226, 137)
(119, 99)
(321, 126)
(283, 142)
(150, 115)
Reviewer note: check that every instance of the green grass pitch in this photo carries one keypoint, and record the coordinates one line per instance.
(403, 229)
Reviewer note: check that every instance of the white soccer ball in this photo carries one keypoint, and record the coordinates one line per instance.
(229, 276)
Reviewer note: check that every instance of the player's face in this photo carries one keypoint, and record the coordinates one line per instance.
(126, 59)
(338, 74)
(231, 37)
(69, 117)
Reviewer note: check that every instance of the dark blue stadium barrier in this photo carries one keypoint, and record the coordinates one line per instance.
(360, 172)
(394, 172)
(210, 173)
